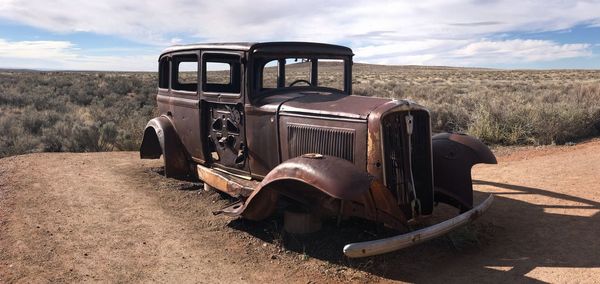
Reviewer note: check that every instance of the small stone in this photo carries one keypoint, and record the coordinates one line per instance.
(273, 256)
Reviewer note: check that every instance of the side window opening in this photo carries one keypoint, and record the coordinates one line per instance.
(222, 73)
(328, 75)
(218, 73)
(185, 73)
(270, 75)
(163, 73)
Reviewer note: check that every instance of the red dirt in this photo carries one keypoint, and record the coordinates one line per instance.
(111, 217)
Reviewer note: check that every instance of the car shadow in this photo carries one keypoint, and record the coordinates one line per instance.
(508, 243)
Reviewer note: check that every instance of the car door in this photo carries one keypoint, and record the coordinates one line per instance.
(180, 99)
(222, 111)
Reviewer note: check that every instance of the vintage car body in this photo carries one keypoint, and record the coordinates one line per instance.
(313, 147)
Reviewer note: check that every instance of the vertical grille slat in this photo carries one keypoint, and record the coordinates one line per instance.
(396, 155)
(303, 139)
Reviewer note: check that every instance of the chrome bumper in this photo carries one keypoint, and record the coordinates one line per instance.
(390, 244)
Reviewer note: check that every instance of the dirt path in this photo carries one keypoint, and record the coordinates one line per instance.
(111, 217)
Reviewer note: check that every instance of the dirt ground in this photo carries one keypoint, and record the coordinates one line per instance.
(111, 217)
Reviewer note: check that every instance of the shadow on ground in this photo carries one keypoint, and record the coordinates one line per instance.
(511, 240)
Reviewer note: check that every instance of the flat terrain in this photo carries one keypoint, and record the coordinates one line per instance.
(111, 217)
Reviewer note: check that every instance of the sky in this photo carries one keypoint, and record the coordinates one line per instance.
(129, 35)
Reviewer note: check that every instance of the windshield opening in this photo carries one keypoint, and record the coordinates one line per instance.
(297, 72)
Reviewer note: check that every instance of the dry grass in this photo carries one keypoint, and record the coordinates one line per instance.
(74, 111)
(500, 107)
(91, 111)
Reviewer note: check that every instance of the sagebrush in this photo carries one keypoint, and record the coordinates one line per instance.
(74, 111)
(104, 111)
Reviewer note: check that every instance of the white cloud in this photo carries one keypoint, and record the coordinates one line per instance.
(312, 19)
(426, 31)
(63, 55)
(414, 52)
(518, 50)
(36, 49)
(471, 53)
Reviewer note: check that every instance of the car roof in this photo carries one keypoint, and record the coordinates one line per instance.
(266, 47)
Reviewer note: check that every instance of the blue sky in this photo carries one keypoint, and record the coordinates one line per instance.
(117, 35)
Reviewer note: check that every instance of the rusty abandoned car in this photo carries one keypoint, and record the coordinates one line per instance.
(275, 124)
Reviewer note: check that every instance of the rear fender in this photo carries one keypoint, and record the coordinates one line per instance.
(160, 138)
(453, 157)
(310, 179)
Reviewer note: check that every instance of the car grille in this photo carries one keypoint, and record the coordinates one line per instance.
(336, 142)
(396, 160)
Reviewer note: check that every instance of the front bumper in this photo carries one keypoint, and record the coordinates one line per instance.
(390, 244)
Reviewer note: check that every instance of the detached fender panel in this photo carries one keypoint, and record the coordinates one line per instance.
(306, 179)
(160, 137)
(453, 157)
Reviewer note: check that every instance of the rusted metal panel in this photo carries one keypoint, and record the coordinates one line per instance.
(173, 153)
(332, 104)
(338, 190)
(262, 118)
(297, 48)
(358, 127)
(335, 177)
(453, 157)
(305, 138)
(266, 47)
(226, 135)
(229, 184)
(184, 113)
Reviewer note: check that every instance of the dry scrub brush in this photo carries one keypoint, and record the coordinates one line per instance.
(74, 111)
(103, 111)
(500, 107)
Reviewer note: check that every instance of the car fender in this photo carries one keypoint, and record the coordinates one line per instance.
(453, 157)
(160, 138)
(306, 179)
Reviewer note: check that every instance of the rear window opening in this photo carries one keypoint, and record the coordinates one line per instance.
(184, 73)
(163, 73)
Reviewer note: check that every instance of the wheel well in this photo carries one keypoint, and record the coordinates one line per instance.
(151, 148)
(285, 192)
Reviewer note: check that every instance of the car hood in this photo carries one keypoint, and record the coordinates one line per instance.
(331, 104)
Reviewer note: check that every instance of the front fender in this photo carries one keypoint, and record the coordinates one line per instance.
(453, 157)
(160, 137)
(306, 179)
